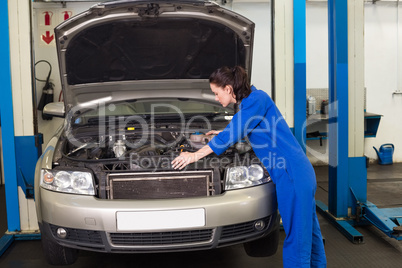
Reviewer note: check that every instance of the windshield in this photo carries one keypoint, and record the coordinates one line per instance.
(159, 108)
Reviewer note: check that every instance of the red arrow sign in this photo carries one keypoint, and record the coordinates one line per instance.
(48, 38)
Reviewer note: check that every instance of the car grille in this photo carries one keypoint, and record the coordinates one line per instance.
(78, 235)
(160, 185)
(162, 238)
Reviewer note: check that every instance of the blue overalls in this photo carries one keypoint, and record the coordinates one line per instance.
(290, 170)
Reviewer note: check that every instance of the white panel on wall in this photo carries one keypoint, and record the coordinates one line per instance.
(283, 57)
(356, 77)
(20, 53)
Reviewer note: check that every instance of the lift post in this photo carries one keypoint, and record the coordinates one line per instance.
(347, 197)
(7, 122)
(7, 135)
(299, 66)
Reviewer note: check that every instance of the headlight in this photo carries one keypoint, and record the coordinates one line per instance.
(243, 176)
(75, 182)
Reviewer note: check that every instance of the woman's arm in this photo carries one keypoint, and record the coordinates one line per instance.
(252, 112)
(186, 158)
(213, 132)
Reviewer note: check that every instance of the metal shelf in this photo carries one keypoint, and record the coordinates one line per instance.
(317, 126)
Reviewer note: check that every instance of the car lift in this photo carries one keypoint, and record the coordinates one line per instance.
(347, 197)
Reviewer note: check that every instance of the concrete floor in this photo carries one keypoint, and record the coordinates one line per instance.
(384, 189)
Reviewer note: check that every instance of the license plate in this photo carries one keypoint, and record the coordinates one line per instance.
(157, 220)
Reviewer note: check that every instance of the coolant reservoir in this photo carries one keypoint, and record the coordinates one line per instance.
(198, 140)
(199, 137)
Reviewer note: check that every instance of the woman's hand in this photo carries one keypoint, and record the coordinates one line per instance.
(213, 132)
(186, 158)
(183, 160)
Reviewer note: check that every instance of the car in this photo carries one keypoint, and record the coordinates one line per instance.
(136, 94)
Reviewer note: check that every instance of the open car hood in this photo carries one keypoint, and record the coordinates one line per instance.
(118, 47)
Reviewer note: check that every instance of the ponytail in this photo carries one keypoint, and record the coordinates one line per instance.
(235, 77)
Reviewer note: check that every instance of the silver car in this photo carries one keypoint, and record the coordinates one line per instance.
(136, 94)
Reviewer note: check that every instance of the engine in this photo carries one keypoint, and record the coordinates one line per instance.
(122, 146)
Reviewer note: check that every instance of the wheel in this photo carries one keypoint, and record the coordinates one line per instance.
(54, 253)
(263, 247)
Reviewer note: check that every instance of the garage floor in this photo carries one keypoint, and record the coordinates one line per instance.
(384, 190)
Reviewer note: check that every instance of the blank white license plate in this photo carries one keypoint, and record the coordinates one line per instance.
(156, 220)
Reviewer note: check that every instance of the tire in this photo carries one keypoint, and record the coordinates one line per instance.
(263, 247)
(56, 254)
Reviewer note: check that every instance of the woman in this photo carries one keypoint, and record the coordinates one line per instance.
(274, 144)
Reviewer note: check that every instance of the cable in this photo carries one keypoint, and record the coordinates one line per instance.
(47, 91)
(50, 71)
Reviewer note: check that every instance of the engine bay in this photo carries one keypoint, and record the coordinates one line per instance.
(130, 144)
(135, 151)
(144, 144)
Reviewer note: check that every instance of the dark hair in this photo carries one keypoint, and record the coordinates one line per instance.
(236, 77)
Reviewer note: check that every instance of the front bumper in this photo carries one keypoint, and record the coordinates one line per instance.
(92, 223)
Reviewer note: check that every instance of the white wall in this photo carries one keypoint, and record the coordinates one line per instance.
(382, 75)
(316, 45)
(43, 51)
(260, 14)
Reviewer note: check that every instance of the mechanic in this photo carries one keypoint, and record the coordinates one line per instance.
(260, 120)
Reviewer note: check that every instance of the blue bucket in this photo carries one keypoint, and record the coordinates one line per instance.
(385, 154)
